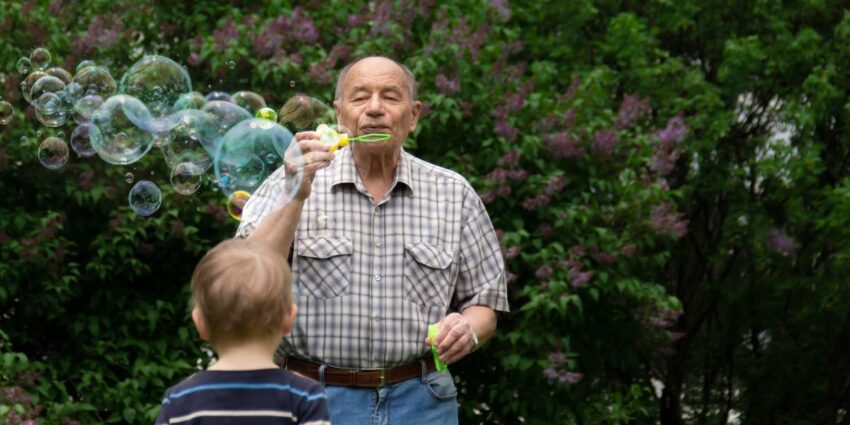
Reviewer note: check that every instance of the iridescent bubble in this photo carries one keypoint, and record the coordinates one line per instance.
(266, 114)
(218, 95)
(23, 66)
(85, 107)
(7, 112)
(51, 110)
(128, 177)
(84, 64)
(46, 84)
(122, 141)
(192, 140)
(29, 82)
(192, 100)
(252, 102)
(292, 83)
(226, 114)
(236, 203)
(242, 160)
(53, 153)
(81, 139)
(158, 82)
(95, 80)
(61, 74)
(186, 178)
(145, 198)
(231, 64)
(303, 113)
(75, 91)
(40, 58)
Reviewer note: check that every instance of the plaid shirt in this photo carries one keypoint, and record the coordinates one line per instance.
(370, 278)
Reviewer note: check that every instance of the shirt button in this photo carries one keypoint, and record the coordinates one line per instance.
(324, 252)
(378, 244)
(377, 277)
(376, 316)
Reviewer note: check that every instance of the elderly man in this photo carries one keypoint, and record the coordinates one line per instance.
(384, 244)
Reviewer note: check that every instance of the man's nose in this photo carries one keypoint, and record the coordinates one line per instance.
(374, 107)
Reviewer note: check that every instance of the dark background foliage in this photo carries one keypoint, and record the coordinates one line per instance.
(669, 180)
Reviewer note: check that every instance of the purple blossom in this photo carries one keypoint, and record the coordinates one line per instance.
(660, 323)
(570, 264)
(535, 202)
(551, 374)
(447, 86)
(545, 230)
(511, 278)
(576, 251)
(579, 278)
(488, 196)
(302, 27)
(555, 185)
(167, 28)
(557, 358)
(606, 258)
(466, 108)
(518, 175)
(223, 35)
(543, 272)
(55, 7)
(515, 101)
(383, 11)
(103, 32)
(570, 377)
(503, 9)
(604, 143)
(512, 48)
(631, 110)
(267, 43)
(504, 191)
(509, 159)
(505, 130)
(512, 252)
(193, 59)
(628, 250)
(667, 222)
(499, 175)
(675, 131)
(563, 145)
(779, 241)
(572, 89)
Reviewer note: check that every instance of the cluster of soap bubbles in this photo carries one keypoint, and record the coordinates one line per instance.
(235, 141)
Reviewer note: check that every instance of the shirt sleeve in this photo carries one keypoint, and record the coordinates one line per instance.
(261, 203)
(163, 416)
(481, 275)
(314, 408)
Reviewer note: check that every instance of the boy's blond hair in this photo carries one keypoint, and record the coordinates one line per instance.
(243, 290)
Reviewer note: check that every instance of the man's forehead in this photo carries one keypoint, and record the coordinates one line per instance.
(375, 71)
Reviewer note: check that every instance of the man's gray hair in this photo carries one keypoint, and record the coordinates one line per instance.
(411, 79)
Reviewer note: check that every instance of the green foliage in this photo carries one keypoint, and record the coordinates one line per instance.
(699, 247)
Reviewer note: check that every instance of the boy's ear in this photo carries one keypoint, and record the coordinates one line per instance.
(198, 318)
(288, 319)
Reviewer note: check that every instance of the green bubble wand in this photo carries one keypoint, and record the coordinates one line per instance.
(343, 139)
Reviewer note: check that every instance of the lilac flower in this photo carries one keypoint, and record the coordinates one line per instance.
(103, 32)
(514, 101)
(466, 108)
(499, 175)
(628, 250)
(604, 143)
(55, 7)
(569, 118)
(193, 59)
(675, 131)
(488, 196)
(512, 48)
(502, 9)
(167, 28)
(555, 185)
(505, 130)
(557, 358)
(383, 10)
(426, 110)
(447, 86)
(509, 159)
(779, 241)
(512, 252)
(577, 251)
(632, 109)
(510, 278)
(579, 279)
(504, 191)
(535, 202)
(302, 27)
(606, 258)
(545, 230)
(666, 222)
(518, 175)
(572, 89)
(660, 323)
(570, 377)
(543, 272)
(551, 374)
(223, 35)
(563, 145)
(267, 43)
(570, 264)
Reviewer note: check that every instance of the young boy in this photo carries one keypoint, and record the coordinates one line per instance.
(243, 303)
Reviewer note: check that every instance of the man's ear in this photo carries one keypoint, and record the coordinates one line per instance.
(414, 112)
(288, 319)
(198, 318)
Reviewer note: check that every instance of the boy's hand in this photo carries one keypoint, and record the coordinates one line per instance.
(314, 156)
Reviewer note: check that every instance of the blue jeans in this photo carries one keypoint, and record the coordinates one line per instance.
(427, 400)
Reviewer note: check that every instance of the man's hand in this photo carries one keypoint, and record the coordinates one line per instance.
(454, 338)
(314, 156)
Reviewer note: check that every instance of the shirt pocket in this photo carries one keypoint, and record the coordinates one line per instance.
(324, 266)
(427, 277)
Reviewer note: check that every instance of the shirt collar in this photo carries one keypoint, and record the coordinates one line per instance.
(344, 170)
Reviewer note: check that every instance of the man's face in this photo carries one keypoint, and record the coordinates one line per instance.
(375, 98)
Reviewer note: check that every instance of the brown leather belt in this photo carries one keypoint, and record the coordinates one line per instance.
(365, 378)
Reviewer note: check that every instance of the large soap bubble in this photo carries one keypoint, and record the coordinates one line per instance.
(192, 100)
(7, 112)
(53, 153)
(304, 113)
(84, 108)
(192, 140)
(81, 139)
(46, 84)
(226, 114)
(158, 82)
(186, 178)
(250, 152)
(61, 74)
(40, 58)
(252, 102)
(95, 80)
(51, 110)
(122, 141)
(29, 82)
(145, 198)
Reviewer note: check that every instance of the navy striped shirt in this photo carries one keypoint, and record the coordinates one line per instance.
(256, 397)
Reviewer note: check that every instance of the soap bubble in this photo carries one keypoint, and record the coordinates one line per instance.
(158, 82)
(266, 114)
(186, 178)
(85, 107)
(81, 139)
(61, 74)
(128, 177)
(84, 64)
(192, 140)
(242, 160)
(236, 203)
(218, 95)
(40, 58)
(304, 113)
(29, 82)
(23, 66)
(191, 100)
(46, 84)
(53, 153)
(252, 102)
(226, 114)
(292, 83)
(231, 64)
(7, 112)
(122, 141)
(51, 110)
(95, 80)
(145, 198)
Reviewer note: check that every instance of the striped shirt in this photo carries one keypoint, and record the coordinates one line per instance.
(370, 276)
(255, 397)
